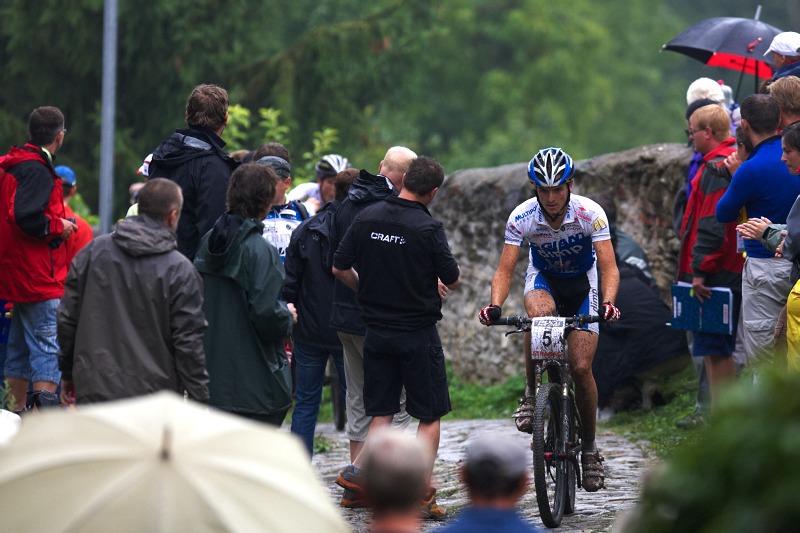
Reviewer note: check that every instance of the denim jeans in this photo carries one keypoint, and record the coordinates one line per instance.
(32, 351)
(310, 363)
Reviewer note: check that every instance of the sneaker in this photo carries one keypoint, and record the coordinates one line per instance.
(353, 500)
(351, 479)
(523, 416)
(593, 474)
(432, 510)
(696, 419)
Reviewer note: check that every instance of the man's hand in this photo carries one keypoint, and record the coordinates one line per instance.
(67, 392)
(754, 228)
(293, 310)
(69, 228)
(609, 312)
(779, 249)
(700, 290)
(489, 314)
(443, 289)
(733, 162)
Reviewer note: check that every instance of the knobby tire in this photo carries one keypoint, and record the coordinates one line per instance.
(573, 468)
(550, 462)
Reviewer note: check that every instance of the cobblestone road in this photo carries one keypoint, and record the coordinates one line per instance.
(625, 466)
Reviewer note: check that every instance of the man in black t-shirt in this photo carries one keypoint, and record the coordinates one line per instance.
(401, 253)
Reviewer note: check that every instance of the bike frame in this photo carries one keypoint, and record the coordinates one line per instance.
(558, 460)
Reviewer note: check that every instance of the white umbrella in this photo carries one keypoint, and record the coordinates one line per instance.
(9, 425)
(157, 463)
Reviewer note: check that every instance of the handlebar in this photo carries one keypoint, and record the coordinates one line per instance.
(521, 321)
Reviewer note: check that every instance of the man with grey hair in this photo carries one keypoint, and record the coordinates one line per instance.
(396, 476)
(147, 297)
(496, 473)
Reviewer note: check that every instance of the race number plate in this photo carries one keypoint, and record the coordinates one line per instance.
(547, 337)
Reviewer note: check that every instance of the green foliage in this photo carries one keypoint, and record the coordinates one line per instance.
(658, 425)
(470, 82)
(270, 124)
(741, 474)
(240, 134)
(322, 444)
(6, 398)
(474, 401)
(237, 134)
(82, 210)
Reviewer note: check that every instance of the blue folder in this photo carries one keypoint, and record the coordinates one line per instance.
(713, 315)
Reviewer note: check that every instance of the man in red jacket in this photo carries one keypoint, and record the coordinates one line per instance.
(33, 228)
(708, 255)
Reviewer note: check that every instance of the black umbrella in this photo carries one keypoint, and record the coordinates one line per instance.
(728, 42)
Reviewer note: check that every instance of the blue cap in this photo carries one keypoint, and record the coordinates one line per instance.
(66, 173)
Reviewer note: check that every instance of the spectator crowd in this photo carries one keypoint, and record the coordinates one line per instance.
(230, 286)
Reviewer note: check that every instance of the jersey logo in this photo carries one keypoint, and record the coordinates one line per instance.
(599, 224)
(525, 214)
(392, 239)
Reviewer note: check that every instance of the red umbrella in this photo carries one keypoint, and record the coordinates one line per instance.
(728, 42)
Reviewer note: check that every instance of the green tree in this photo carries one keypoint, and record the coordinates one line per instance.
(242, 134)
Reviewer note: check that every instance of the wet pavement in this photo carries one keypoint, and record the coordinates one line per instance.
(625, 464)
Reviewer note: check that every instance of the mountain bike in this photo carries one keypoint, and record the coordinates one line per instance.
(556, 441)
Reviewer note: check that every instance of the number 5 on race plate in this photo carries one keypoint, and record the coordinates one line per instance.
(547, 337)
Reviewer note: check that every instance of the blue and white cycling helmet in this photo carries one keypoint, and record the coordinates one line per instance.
(550, 167)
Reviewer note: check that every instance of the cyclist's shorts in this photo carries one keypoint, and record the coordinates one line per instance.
(573, 296)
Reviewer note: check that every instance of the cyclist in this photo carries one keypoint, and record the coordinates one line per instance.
(566, 235)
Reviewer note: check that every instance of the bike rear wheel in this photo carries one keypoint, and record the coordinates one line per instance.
(550, 457)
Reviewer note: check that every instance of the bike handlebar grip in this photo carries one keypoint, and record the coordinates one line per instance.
(507, 321)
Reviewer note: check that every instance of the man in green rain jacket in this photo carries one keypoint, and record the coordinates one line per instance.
(243, 278)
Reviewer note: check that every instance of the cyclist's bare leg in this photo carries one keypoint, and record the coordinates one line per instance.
(537, 303)
(582, 345)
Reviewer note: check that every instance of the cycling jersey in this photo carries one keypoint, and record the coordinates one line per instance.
(565, 252)
(281, 221)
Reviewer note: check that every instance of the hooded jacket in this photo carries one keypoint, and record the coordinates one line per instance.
(242, 279)
(33, 263)
(708, 247)
(194, 159)
(309, 281)
(366, 190)
(131, 320)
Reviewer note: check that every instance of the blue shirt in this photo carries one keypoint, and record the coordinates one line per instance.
(483, 519)
(281, 221)
(764, 187)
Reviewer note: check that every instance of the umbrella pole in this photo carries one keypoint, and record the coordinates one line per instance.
(739, 83)
(755, 83)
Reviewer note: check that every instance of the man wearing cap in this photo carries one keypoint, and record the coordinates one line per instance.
(785, 50)
(195, 159)
(284, 215)
(33, 261)
(496, 473)
(84, 232)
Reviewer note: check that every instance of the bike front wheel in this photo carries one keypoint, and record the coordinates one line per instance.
(550, 454)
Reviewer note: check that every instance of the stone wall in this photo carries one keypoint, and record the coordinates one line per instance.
(474, 204)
